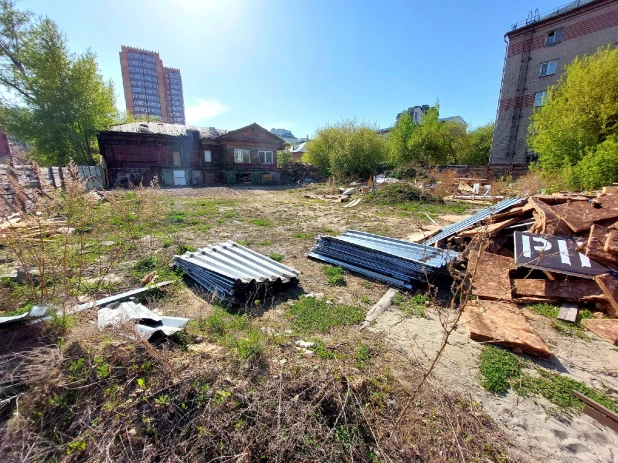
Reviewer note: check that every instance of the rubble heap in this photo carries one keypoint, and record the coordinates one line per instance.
(559, 249)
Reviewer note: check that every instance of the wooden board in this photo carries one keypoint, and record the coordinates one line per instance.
(502, 323)
(489, 230)
(595, 248)
(554, 253)
(604, 328)
(602, 414)
(558, 290)
(488, 275)
(580, 215)
(568, 312)
(609, 286)
(611, 242)
(550, 222)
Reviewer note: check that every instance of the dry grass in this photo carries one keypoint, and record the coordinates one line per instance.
(231, 389)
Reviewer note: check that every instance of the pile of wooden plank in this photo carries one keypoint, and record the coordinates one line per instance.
(560, 249)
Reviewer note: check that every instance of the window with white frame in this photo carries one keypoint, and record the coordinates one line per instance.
(266, 157)
(207, 156)
(242, 156)
(554, 37)
(549, 68)
(539, 98)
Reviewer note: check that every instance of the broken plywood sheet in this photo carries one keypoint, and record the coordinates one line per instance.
(611, 242)
(565, 290)
(526, 209)
(554, 253)
(550, 222)
(595, 248)
(488, 275)
(502, 323)
(580, 215)
(604, 328)
(609, 286)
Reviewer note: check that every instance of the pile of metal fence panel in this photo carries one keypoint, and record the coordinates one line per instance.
(234, 273)
(393, 261)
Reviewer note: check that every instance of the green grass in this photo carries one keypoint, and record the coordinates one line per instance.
(415, 306)
(303, 236)
(502, 370)
(277, 257)
(150, 263)
(182, 248)
(261, 222)
(19, 311)
(570, 329)
(265, 243)
(334, 275)
(498, 366)
(311, 315)
(176, 216)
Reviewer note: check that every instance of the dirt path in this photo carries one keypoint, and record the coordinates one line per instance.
(536, 432)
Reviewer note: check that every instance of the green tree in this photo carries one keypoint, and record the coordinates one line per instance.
(478, 146)
(579, 114)
(56, 101)
(347, 149)
(432, 142)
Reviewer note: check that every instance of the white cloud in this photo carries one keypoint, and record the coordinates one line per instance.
(204, 109)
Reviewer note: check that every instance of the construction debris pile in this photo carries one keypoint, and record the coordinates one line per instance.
(236, 274)
(559, 249)
(392, 261)
(301, 173)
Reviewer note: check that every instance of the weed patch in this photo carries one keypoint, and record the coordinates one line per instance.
(570, 329)
(277, 257)
(261, 222)
(498, 367)
(334, 275)
(415, 306)
(311, 315)
(303, 236)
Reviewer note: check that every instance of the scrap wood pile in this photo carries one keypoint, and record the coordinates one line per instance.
(299, 172)
(28, 228)
(559, 249)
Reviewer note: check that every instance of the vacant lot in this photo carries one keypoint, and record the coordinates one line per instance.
(239, 386)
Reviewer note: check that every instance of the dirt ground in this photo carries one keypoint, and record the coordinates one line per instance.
(537, 432)
(283, 221)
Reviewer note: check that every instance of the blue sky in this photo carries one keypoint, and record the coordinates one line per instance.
(298, 64)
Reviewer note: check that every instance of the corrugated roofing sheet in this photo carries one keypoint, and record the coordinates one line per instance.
(473, 220)
(170, 130)
(231, 271)
(393, 261)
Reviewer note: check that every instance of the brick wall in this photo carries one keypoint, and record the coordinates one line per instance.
(584, 30)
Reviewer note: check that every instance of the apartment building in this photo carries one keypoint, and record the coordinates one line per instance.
(537, 51)
(151, 89)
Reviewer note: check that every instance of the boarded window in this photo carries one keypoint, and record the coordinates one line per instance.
(266, 157)
(177, 159)
(242, 156)
(179, 178)
(207, 156)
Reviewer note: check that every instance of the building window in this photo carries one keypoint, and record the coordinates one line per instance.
(554, 37)
(548, 69)
(266, 157)
(539, 98)
(242, 156)
(207, 154)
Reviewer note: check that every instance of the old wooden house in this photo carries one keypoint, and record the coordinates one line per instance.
(179, 155)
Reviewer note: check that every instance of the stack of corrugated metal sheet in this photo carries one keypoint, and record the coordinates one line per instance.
(393, 261)
(234, 273)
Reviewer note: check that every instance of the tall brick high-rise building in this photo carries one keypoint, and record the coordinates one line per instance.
(538, 50)
(151, 89)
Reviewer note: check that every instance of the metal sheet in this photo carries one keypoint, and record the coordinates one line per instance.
(231, 271)
(476, 218)
(390, 260)
(554, 253)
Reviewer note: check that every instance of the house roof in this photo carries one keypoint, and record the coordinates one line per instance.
(300, 148)
(170, 130)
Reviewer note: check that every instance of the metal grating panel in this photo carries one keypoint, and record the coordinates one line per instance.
(470, 221)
